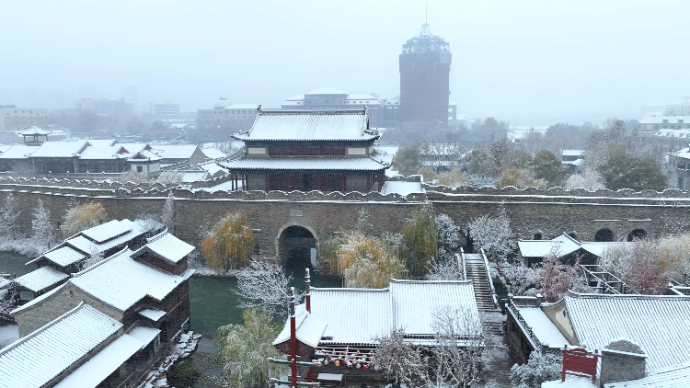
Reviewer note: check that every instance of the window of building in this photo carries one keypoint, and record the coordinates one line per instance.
(140, 169)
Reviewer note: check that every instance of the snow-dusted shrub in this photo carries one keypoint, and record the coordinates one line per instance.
(523, 280)
(541, 367)
(494, 235)
(590, 179)
(445, 267)
(449, 236)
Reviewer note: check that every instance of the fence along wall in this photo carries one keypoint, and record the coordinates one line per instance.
(547, 212)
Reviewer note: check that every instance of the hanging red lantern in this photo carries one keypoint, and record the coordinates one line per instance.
(366, 367)
(337, 362)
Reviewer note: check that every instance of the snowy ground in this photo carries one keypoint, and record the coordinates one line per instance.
(8, 334)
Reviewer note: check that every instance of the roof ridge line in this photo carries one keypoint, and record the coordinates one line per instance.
(155, 237)
(42, 328)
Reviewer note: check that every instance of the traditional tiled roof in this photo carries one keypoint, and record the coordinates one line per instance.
(175, 151)
(167, 247)
(659, 324)
(289, 125)
(309, 328)
(152, 314)
(36, 359)
(677, 376)
(18, 151)
(60, 149)
(108, 360)
(402, 188)
(41, 279)
(64, 256)
(359, 316)
(564, 245)
(212, 153)
(107, 231)
(121, 281)
(306, 163)
(34, 131)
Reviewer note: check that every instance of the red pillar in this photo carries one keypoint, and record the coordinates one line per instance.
(293, 339)
(307, 297)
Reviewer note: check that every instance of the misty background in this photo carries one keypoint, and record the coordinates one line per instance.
(529, 62)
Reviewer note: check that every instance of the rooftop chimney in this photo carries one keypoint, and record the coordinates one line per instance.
(622, 361)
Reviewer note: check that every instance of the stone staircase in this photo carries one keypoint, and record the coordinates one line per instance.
(476, 272)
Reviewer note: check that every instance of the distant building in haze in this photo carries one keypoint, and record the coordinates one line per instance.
(105, 105)
(425, 78)
(226, 113)
(166, 110)
(15, 119)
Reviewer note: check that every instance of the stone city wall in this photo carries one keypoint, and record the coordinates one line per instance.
(547, 212)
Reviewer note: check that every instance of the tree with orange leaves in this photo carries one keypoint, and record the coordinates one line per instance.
(83, 217)
(229, 244)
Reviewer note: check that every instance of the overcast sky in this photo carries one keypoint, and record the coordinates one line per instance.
(533, 62)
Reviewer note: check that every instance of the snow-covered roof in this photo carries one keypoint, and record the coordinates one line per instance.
(679, 133)
(359, 316)
(676, 376)
(167, 247)
(134, 147)
(152, 314)
(175, 151)
(213, 168)
(60, 149)
(107, 231)
(121, 281)
(659, 324)
(194, 176)
(571, 382)
(213, 153)
(86, 245)
(41, 278)
(102, 142)
(309, 331)
(108, 360)
(18, 151)
(326, 91)
(242, 106)
(564, 245)
(101, 152)
(36, 359)
(546, 332)
(573, 152)
(361, 96)
(402, 188)
(145, 155)
(34, 131)
(296, 125)
(305, 163)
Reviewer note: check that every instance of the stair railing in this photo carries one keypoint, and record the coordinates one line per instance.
(494, 298)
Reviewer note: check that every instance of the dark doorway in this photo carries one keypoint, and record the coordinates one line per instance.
(296, 248)
(538, 236)
(604, 235)
(637, 234)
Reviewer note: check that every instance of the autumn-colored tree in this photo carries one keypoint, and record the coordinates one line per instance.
(365, 261)
(453, 178)
(229, 244)
(422, 240)
(641, 265)
(427, 173)
(83, 217)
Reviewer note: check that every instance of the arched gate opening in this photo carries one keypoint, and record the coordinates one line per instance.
(296, 248)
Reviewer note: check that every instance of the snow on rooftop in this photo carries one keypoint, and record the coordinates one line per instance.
(213, 153)
(34, 360)
(121, 281)
(152, 314)
(659, 324)
(571, 382)
(310, 329)
(175, 151)
(546, 332)
(87, 246)
(41, 279)
(402, 188)
(676, 376)
(18, 151)
(564, 245)
(407, 304)
(573, 152)
(309, 125)
(64, 256)
(305, 163)
(34, 131)
(167, 247)
(99, 367)
(107, 231)
(60, 149)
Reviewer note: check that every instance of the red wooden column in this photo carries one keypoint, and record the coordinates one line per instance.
(293, 339)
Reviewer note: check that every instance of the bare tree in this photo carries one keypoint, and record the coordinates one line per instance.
(263, 284)
(398, 360)
(457, 359)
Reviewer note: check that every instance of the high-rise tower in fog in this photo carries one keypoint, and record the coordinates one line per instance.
(425, 78)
